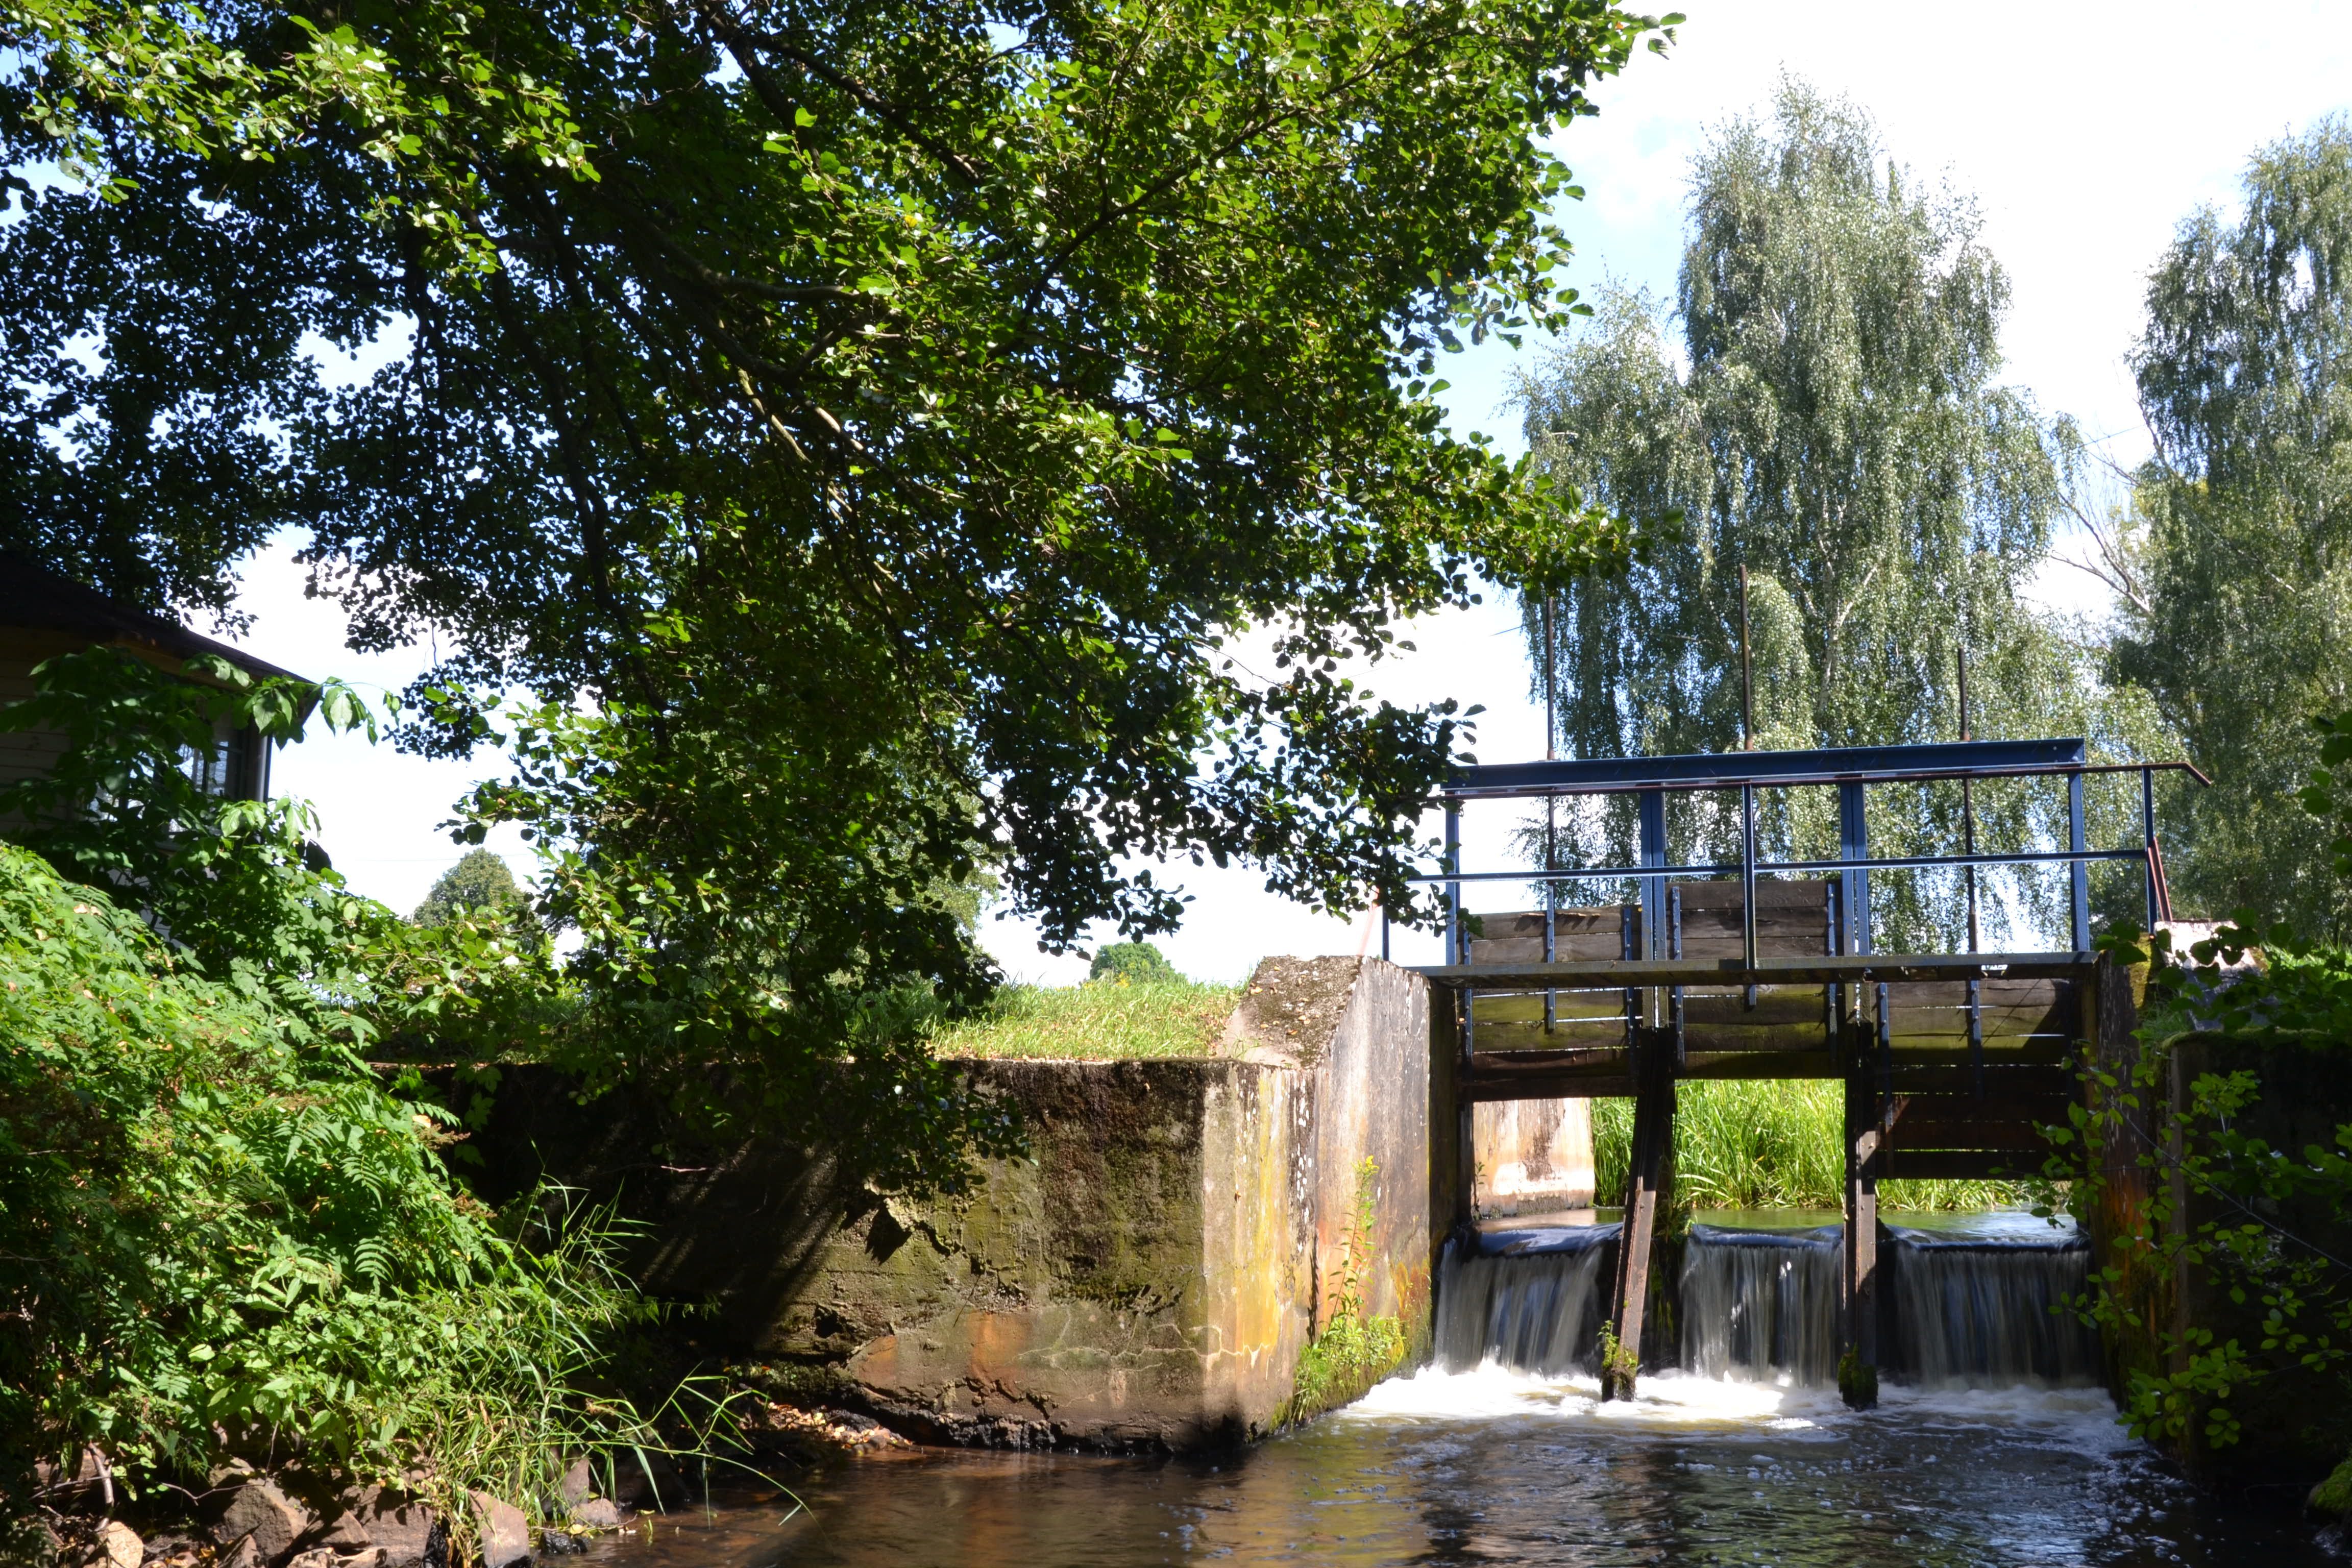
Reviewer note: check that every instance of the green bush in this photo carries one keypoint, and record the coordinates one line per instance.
(218, 1232)
(1131, 964)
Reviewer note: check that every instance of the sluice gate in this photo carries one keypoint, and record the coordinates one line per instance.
(1952, 1063)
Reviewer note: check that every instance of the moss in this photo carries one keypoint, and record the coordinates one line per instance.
(1342, 1365)
(1857, 1380)
(2332, 1499)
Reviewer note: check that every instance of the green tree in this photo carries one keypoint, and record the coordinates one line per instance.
(479, 881)
(2236, 583)
(1130, 962)
(1833, 426)
(882, 415)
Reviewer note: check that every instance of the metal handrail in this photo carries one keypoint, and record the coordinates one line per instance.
(1851, 770)
(1733, 868)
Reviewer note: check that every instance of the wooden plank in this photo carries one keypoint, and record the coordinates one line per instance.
(1907, 1139)
(1815, 1063)
(1959, 1166)
(2002, 1079)
(1524, 1007)
(1871, 969)
(1571, 1084)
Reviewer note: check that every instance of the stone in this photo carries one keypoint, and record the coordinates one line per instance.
(261, 1512)
(392, 1522)
(596, 1513)
(579, 1483)
(245, 1554)
(505, 1533)
(319, 1557)
(117, 1545)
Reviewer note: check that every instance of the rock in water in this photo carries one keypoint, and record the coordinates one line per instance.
(505, 1534)
(596, 1513)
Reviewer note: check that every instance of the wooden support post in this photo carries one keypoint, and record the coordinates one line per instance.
(1865, 1143)
(1653, 1132)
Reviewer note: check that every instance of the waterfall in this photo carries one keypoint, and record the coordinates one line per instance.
(1761, 1304)
(1970, 1307)
(1973, 1305)
(1527, 1298)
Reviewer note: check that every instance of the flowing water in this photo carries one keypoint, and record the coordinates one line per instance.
(1980, 1301)
(1759, 1303)
(1996, 1451)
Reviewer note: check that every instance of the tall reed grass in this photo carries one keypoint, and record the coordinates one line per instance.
(1766, 1144)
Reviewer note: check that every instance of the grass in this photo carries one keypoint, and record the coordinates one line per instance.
(1768, 1144)
(1096, 1022)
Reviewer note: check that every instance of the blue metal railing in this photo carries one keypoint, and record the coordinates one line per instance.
(1851, 770)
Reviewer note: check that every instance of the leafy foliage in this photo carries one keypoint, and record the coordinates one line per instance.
(225, 880)
(234, 885)
(883, 417)
(2235, 583)
(2216, 1193)
(218, 1231)
(479, 881)
(1130, 964)
(1837, 434)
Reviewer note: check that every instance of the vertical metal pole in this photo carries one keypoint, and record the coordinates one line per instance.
(2147, 837)
(1748, 884)
(1969, 811)
(1384, 934)
(1746, 683)
(1551, 809)
(2080, 871)
(1551, 952)
(1453, 949)
(1968, 846)
(1854, 844)
(1652, 806)
(1628, 915)
(1674, 939)
(1457, 947)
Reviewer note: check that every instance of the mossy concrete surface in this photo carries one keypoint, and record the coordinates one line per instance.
(1146, 1278)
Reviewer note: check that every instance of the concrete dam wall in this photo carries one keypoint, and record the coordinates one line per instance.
(1147, 1277)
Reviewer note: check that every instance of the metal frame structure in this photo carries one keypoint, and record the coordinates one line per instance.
(1857, 1024)
(1851, 770)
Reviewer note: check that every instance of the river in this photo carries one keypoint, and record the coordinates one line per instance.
(1485, 1464)
(1493, 1467)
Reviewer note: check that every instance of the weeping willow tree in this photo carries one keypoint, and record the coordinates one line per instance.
(2236, 583)
(1832, 425)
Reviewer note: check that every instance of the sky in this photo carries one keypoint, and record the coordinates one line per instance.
(2085, 133)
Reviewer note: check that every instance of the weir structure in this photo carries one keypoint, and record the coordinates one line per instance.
(1952, 1063)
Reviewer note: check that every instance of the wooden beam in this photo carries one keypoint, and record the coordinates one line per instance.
(1863, 1155)
(1890, 968)
(1652, 1163)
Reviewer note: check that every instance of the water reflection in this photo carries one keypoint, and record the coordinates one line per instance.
(1495, 1467)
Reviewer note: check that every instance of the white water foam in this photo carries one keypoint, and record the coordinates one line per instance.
(2082, 1420)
